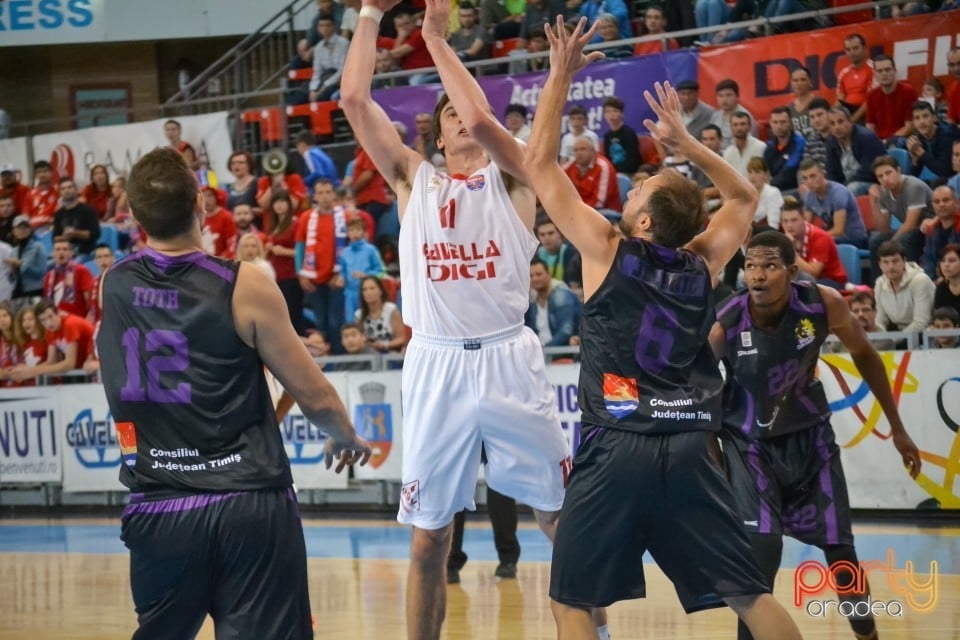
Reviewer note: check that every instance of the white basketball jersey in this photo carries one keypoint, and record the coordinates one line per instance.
(464, 255)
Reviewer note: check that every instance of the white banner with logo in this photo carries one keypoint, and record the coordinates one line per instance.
(91, 451)
(118, 147)
(374, 407)
(13, 151)
(304, 443)
(565, 380)
(30, 449)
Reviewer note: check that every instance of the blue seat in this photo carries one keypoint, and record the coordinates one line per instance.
(46, 241)
(623, 182)
(110, 236)
(389, 224)
(902, 158)
(850, 257)
(91, 266)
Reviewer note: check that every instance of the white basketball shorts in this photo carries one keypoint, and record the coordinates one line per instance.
(458, 393)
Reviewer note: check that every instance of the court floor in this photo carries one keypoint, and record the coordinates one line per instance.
(67, 579)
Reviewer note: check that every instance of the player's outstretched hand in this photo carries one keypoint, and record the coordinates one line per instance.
(354, 451)
(909, 453)
(383, 5)
(669, 128)
(436, 19)
(566, 51)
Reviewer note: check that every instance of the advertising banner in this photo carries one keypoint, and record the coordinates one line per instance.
(14, 151)
(762, 67)
(118, 147)
(565, 379)
(304, 444)
(30, 449)
(626, 79)
(88, 436)
(374, 406)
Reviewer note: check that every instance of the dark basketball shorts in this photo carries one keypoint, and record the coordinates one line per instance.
(630, 493)
(238, 556)
(791, 484)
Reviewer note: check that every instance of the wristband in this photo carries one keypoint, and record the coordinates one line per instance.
(369, 11)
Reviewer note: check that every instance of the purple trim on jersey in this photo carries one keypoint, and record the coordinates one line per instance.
(826, 485)
(745, 320)
(750, 413)
(763, 525)
(198, 258)
(292, 497)
(174, 505)
(795, 303)
(590, 436)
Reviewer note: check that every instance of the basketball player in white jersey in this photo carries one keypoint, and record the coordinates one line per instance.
(472, 372)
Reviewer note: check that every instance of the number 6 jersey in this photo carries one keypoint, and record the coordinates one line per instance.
(646, 365)
(188, 397)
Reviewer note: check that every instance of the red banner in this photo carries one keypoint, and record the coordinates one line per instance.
(762, 68)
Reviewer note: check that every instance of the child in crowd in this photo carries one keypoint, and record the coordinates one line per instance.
(358, 259)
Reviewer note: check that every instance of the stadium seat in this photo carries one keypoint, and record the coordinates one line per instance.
(300, 75)
(623, 182)
(650, 151)
(110, 236)
(850, 257)
(92, 267)
(866, 211)
(46, 241)
(903, 158)
(504, 47)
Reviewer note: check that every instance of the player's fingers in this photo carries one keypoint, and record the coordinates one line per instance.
(593, 56)
(661, 94)
(367, 452)
(657, 109)
(591, 32)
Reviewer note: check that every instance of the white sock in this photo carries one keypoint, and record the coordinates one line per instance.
(604, 632)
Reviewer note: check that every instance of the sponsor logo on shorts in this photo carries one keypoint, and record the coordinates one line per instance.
(476, 183)
(620, 395)
(410, 497)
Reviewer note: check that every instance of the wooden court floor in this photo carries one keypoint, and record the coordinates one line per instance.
(68, 580)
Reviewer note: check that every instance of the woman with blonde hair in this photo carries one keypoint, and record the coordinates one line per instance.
(250, 249)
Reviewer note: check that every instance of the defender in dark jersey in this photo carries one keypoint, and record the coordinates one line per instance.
(647, 475)
(212, 525)
(781, 454)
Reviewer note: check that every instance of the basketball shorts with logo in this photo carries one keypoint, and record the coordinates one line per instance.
(459, 393)
(792, 484)
(666, 494)
(238, 556)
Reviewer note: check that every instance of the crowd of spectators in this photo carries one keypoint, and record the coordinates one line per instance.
(877, 171)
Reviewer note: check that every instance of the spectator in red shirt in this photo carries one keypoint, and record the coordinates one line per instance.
(68, 284)
(281, 250)
(103, 256)
(889, 106)
(953, 97)
(291, 182)
(409, 49)
(43, 199)
(69, 342)
(219, 229)
(98, 193)
(856, 79)
(369, 187)
(10, 186)
(655, 23)
(31, 337)
(172, 130)
(816, 251)
(593, 176)
(321, 236)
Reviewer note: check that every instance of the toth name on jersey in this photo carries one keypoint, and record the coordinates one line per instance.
(452, 261)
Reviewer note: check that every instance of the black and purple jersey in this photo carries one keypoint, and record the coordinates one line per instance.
(189, 399)
(647, 365)
(771, 386)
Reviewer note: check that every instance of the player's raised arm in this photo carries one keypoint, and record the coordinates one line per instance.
(255, 301)
(731, 223)
(370, 123)
(467, 97)
(592, 234)
(844, 325)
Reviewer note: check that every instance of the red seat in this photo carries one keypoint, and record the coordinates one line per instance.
(321, 120)
(866, 211)
(850, 17)
(503, 47)
(650, 151)
(300, 75)
(269, 121)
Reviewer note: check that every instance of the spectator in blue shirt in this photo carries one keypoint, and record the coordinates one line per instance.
(784, 151)
(358, 260)
(593, 10)
(833, 204)
(319, 164)
(554, 312)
